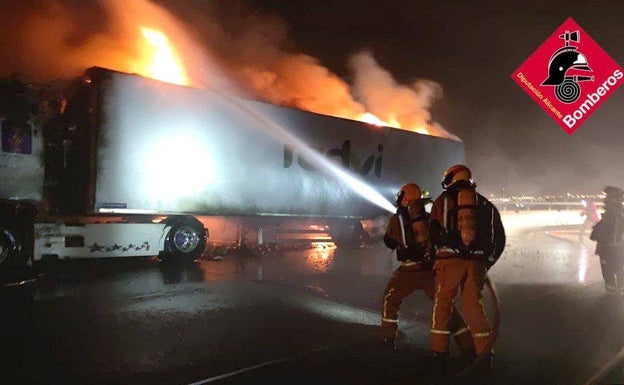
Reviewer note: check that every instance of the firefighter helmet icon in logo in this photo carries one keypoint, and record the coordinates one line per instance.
(561, 67)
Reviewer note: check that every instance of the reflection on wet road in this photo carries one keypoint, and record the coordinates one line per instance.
(137, 320)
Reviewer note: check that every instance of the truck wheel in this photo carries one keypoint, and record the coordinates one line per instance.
(347, 234)
(185, 241)
(9, 247)
(15, 248)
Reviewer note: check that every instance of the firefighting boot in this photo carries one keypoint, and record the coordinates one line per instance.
(439, 365)
(466, 358)
(484, 364)
(465, 344)
(388, 343)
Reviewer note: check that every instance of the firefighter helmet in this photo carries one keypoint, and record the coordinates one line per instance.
(561, 61)
(613, 194)
(454, 174)
(407, 193)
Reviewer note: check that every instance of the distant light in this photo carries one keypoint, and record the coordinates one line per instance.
(126, 211)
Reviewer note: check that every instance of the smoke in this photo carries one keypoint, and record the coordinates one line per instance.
(255, 52)
(300, 81)
(393, 102)
(241, 51)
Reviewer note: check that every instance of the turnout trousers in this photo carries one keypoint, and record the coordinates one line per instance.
(612, 267)
(405, 280)
(467, 277)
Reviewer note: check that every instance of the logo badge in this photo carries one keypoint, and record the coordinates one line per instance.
(569, 76)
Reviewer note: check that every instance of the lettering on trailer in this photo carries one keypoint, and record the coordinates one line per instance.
(347, 159)
(130, 247)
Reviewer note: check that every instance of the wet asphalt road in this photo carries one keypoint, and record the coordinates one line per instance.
(307, 316)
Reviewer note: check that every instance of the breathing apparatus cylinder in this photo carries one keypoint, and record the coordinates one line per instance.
(420, 224)
(414, 223)
(467, 215)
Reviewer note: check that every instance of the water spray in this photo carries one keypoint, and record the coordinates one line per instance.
(373, 196)
(279, 132)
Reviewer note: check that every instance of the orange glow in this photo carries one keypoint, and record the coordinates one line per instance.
(322, 246)
(394, 123)
(320, 255)
(145, 38)
(164, 64)
(374, 120)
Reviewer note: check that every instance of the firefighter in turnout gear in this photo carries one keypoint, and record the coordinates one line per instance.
(608, 236)
(469, 237)
(408, 234)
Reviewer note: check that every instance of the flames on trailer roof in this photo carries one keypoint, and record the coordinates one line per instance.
(244, 55)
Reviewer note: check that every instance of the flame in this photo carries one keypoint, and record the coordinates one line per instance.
(394, 123)
(164, 65)
(374, 120)
(145, 38)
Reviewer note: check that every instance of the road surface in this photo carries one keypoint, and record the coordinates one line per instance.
(302, 315)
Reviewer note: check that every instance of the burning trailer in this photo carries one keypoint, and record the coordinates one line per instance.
(115, 164)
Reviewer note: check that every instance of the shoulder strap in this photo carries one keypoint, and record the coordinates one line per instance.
(402, 225)
(445, 211)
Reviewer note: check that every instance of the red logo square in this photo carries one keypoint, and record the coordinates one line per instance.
(569, 76)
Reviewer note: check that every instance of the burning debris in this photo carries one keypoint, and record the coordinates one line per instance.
(242, 52)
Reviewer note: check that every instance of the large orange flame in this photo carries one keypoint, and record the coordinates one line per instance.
(374, 120)
(163, 63)
(145, 38)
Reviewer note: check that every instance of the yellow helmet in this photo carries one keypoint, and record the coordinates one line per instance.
(407, 193)
(454, 174)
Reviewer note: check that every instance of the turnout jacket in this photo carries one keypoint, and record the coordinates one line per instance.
(490, 241)
(608, 231)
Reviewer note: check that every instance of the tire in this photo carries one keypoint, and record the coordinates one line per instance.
(16, 234)
(15, 248)
(9, 248)
(185, 241)
(347, 234)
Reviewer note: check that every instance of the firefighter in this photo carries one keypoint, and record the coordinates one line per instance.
(608, 236)
(408, 234)
(469, 237)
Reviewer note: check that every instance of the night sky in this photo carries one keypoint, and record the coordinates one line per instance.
(470, 48)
